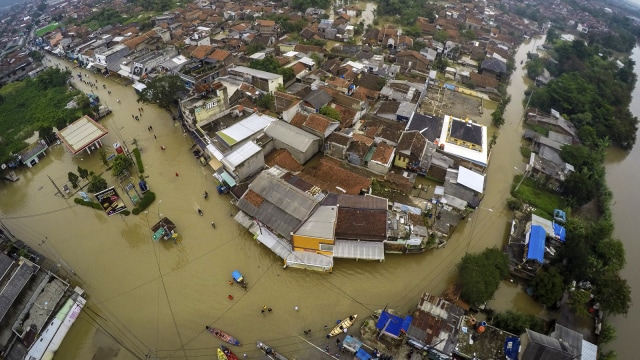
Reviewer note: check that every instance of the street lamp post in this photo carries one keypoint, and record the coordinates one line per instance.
(159, 214)
(524, 175)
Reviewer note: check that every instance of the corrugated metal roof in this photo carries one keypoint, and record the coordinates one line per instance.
(241, 154)
(471, 179)
(362, 202)
(320, 224)
(81, 133)
(366, 250)
(254, 72)
(304, 259)
(291, 135)
(246, 128)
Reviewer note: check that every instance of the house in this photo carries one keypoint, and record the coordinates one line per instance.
(208, 103)
(411, 152)
(562, 344)
(276, 204)
(32, 154)
(244, 161)
(220, 56)
(266, 27)
(313, 241)
(382, 158)
(263, 80)
(301, 144)
(315, 100)
(429, 126)
(465, 142)
(358, 150)
(286, 105)
(412, 60)
(109, 57)
(361, 226)
(435, 324)
(493, 68)
(320, 125)
(337, 144)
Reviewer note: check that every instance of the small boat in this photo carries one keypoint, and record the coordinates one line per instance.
(228, 353)
(270, 352)
(221, 355)
(342, 326)
(238, 278)
(223, 336)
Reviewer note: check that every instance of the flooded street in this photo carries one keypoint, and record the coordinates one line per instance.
(155, 298)
(623, 176)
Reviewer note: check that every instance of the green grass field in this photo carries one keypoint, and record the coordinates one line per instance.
(46, 29)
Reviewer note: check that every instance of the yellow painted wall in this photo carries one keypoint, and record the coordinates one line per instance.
(401, 161)
(308, 243)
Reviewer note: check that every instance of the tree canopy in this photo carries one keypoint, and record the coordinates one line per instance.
(162, 90)
(480, 275)
(121, 163)
(548, 287)
(330, 112)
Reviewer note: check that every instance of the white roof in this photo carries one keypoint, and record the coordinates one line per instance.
(307, 61)
(471, 179)
(258, 56)
(291, 135)
(546, 224)
(365, 250)
(118, 38)
(179, 60)
(246, 128)
(290, 53)
(478, 157)
(320, 224)
(139, 86)
(241, 154)
(253, 72)
(81, 133)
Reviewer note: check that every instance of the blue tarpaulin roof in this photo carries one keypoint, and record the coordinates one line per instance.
(393, 324)
(559, 232)
(536, 243)
(559, 215)
(512, 347)
(363, 355)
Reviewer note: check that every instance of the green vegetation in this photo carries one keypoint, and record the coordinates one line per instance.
(578, 301)
(534, 193)
(90, 204)
(407, 10)
(590, 90)
(480, 275)
(162, 90)
(266, 101)
(516, 323)
(47, 29)
(548, 287)
(525, 152)
(96, 183)
(269, 64)
(105, 16)
(35, 104)
(121, 164)
(136, 153)
(330, 112)
(535, 66)
(147, 199)
(303, 5)
(73, 179)
(497, 116)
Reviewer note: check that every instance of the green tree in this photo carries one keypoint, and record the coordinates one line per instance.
(162, 90)
(96, 184)
(609, 355)
(613, 293)
(578, 301)
(103, 156)
(45, 132)
(607, 333)
(610, 253)
(121, 163)
(266, 101)
(83, 173)
(480, 275)
(516, 323)
(548, 287)
(330, 112)
(73, 179)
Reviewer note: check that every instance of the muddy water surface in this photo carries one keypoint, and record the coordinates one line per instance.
(155, 298)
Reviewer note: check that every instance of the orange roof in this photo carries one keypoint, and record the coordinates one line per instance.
(383, 153)
(266, 23)
(219, 55)
(298, 120)
(201, 51)
(284, 159)
(298, 68)
(363, 139)
(133, 43)
(317, 122)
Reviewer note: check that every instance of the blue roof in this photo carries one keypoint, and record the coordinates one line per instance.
(536, 243)
(559, 215)
(559, 231)
(394, 324)
(512, 347)
(363, 355)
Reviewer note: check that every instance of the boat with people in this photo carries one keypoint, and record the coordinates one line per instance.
(342, 326)
(221, 355)
(272, 354)
(239, 279)
(228, 353)
(223, 336)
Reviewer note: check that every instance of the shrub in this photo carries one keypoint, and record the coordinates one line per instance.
(147, 199)
(136, 153)
(91, 204)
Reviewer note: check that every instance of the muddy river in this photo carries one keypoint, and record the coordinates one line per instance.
(155, 298)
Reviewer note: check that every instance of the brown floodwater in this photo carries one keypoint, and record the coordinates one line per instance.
(147, 297)
(623, 176)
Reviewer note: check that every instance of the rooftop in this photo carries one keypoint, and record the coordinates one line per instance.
(81, 133)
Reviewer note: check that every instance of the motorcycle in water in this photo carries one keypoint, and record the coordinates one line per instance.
(205, 195)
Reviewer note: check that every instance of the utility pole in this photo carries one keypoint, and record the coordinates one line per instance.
(56, 186)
